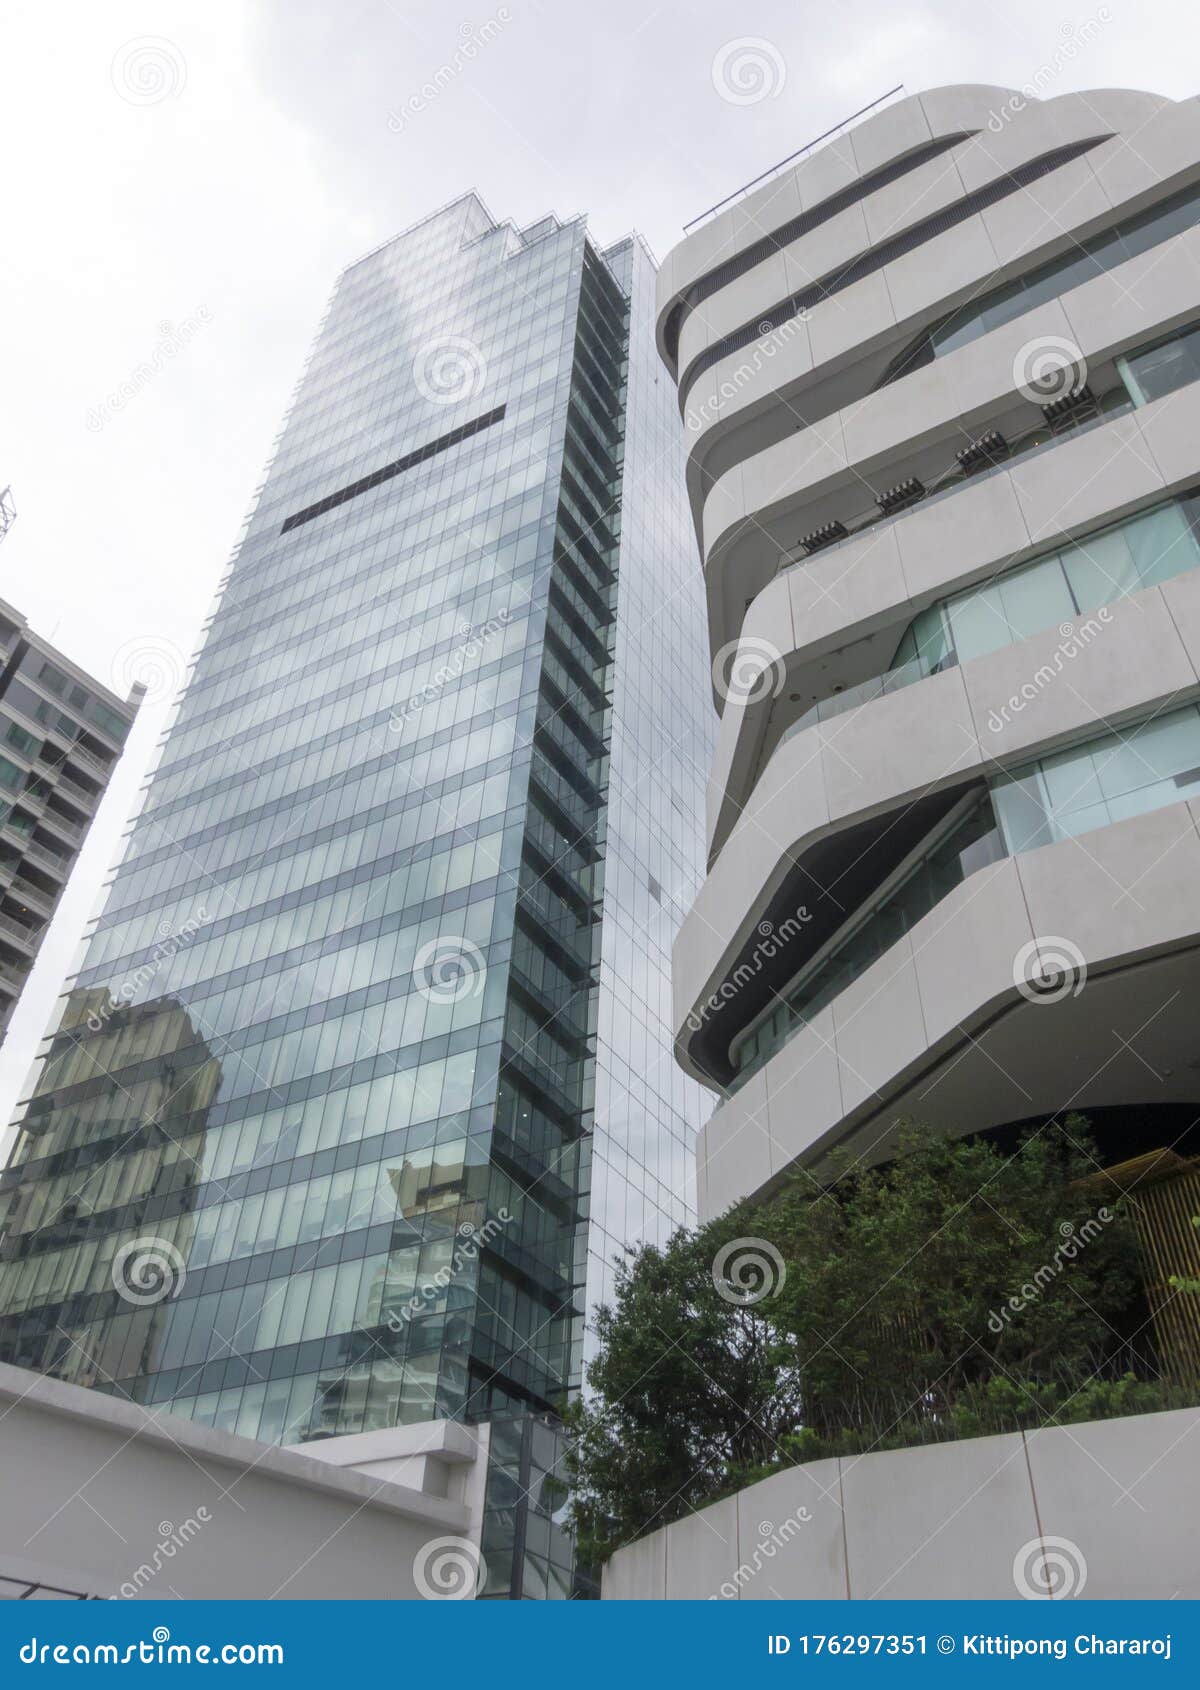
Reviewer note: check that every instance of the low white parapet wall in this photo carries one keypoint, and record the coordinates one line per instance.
(1107, 1510)
(100, 1497)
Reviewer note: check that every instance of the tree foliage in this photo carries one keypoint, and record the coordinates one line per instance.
(957, 1289)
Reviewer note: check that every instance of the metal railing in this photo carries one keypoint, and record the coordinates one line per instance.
(895, 680)
(39, 853)
(51, 818)
(26, 935)
(26, 889)
(73, 789)
(757, 181)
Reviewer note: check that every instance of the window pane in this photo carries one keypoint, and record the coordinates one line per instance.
(1163, 748)
(1071, 780)
(1101, 570)
(1167, 367)
(978, 624)
(1036, 598)
(1021, 811)
(1163, 544)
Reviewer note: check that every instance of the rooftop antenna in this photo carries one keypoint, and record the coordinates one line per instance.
(8, 511)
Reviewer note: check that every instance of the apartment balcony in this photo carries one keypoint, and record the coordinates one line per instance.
(86, 796)
(28, 893)
(74, 831)
(59, 865)
(28, 938)
(79, 755)
(14, 835)
(78, 752)
(1019, 995)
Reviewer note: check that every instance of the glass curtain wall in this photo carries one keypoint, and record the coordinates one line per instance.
(382, 979)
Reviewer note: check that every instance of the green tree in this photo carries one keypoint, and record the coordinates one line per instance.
(958, 1288)
(686, 1387)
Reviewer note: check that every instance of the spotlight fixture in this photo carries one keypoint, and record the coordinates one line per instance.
(990, 448)
(827, 535)
(910, 491)
(1072, 409)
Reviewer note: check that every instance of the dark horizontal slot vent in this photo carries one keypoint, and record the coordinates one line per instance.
(875, 259)
(804, 224)
(409, 461)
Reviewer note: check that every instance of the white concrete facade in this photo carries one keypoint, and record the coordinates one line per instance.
(105, 1499)
(1101, 1511)
(800, 415)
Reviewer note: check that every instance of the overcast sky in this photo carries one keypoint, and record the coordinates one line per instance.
(183, 182)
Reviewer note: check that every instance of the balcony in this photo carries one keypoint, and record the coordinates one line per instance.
(79, 755)
(59, 865)
(895, 680)
(85, 796)
(60, 824)
(33, 895)
(28, 937)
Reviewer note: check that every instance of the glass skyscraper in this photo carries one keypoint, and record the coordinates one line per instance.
(366, 1073)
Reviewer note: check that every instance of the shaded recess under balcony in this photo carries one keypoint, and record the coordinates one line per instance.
(851, 896)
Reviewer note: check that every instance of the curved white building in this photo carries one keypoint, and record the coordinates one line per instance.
(941, 384)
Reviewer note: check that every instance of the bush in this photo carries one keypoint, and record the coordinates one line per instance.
(956, 1291)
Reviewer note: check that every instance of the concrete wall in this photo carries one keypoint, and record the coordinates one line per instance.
(103, 1498)
(941, 1027)
(1106, 1510)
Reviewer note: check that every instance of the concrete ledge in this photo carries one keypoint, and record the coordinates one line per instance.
(1112, 1503)
(938, 1028)
(943, 732)
(202, 1444)
(103, 1498)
